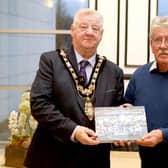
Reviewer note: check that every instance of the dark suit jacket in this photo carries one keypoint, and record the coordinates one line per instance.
(58, 108)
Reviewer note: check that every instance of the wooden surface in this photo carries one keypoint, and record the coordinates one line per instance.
(122, 159)
(118, 159)
(2, 159)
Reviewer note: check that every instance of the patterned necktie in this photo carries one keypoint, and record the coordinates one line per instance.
(82, 72)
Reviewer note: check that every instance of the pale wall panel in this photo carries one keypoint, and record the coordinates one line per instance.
(137, 32)
(109, 46)
(153, 13)
(126, 26)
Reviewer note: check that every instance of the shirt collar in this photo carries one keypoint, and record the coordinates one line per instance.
(153, 66)
(91, 60)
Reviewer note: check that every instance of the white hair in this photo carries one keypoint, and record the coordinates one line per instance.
(87, 11)
(158, 22)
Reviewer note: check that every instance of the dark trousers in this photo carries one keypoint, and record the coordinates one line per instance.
(154, 157)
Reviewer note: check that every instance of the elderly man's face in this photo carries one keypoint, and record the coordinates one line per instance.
(88, 33)
(159, 45)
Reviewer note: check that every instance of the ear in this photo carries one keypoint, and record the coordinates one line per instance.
(102, 31)
(71, 29)
(151, 44)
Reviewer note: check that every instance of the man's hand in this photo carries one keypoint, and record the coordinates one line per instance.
(126, 105)
(122, 143)
(151, 139)
(86, 136)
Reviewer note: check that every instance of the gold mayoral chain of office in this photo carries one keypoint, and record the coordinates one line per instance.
(86, 93)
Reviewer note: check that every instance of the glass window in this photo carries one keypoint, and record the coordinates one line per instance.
(27, 29)
(162, 8)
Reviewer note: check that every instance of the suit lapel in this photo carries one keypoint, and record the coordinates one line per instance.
(72, 57)
(100, 89)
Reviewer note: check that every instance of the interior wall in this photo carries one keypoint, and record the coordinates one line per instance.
(126, 28)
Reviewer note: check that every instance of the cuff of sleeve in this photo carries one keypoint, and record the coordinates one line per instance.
(73, 134)
(165, 134)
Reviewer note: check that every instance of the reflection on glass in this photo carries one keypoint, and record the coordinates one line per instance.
(162, 8)
(26, 15)
(43, 14)
(20, 53)
(63, 41)
(65, 11)
(19, 56)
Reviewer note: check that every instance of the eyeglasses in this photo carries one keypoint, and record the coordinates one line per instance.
(159, 41)
(85, 27)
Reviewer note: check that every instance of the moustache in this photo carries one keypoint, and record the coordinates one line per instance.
(162, 52)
